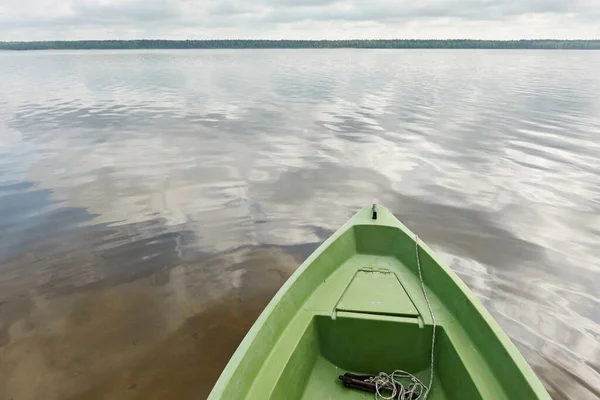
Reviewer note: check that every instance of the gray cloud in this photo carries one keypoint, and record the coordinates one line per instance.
(303, 3)
(386, 11)
(51, 19)
(130, 11)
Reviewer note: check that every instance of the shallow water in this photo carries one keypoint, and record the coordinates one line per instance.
(152, 202)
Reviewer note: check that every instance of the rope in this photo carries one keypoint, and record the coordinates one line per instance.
(430, 312)
(392, 382)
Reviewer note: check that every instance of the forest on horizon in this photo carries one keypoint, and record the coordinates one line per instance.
(300, 44)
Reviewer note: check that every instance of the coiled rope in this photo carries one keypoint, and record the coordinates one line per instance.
(393, 383)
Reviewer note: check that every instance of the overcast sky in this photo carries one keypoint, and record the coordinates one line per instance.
(302, 19)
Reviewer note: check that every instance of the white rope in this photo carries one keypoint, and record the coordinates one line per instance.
(392, 382)
(430, 312)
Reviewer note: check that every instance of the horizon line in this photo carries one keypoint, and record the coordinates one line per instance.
(298, 40)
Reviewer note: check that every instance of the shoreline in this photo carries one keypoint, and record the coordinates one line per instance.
(159, 44)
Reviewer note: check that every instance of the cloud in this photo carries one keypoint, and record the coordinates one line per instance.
(126, 11)
(381, 11)
(307, 19)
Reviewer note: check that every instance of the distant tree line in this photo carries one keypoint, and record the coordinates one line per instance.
(302, 44)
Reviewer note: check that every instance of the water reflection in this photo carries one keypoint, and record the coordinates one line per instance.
(151, 203)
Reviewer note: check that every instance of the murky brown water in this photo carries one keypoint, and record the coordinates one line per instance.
(151, 203)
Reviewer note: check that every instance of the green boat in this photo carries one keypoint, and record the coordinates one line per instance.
(372, 313)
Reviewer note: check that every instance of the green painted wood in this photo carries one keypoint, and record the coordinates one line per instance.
(376, 292)
(303, 340)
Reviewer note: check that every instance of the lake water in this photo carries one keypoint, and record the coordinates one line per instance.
(152, 202)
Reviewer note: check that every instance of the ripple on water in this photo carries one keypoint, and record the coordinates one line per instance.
(151, 202)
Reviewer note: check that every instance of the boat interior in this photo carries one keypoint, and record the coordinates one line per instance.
(359, 307)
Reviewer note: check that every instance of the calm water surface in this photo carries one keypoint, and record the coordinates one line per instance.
(152, 202)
